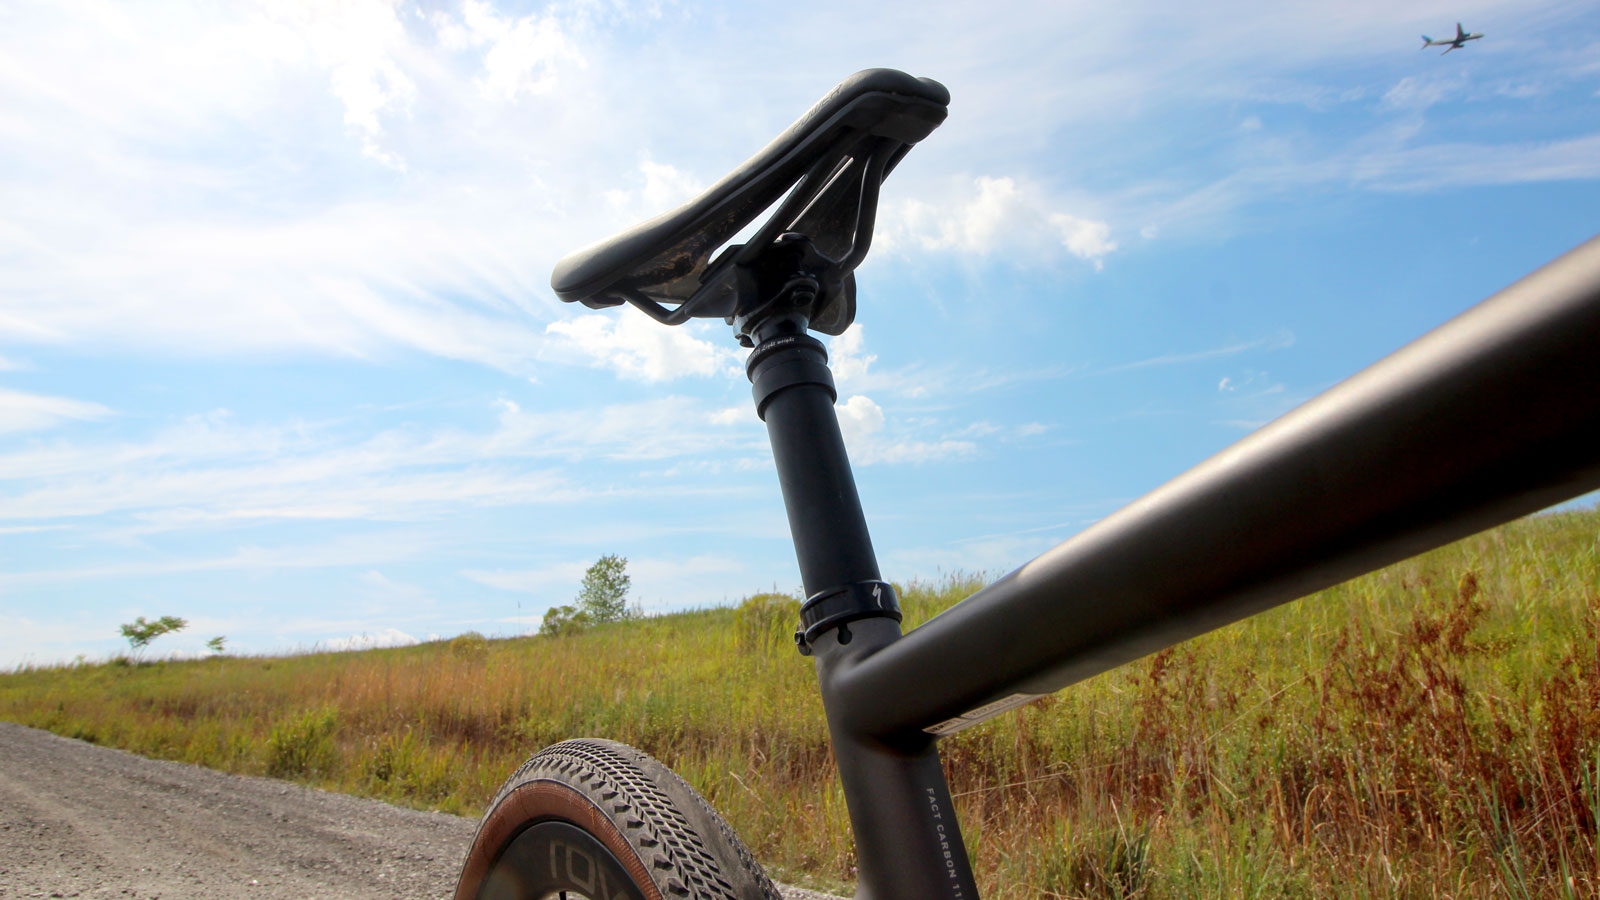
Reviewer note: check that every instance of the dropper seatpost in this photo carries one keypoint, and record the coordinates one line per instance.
(899, 801)
(794, 396)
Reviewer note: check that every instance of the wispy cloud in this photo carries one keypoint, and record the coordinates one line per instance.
(212, 471)
(1276, 341)
(560, 576)
(1418, 93)
(657, 581)
(20, 411)
(352, 550)
(1462, 165)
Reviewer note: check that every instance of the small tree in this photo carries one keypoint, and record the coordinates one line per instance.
(140, 633)
(604, 594)
(562, 620)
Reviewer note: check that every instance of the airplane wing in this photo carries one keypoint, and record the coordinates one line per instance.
(1460, 32)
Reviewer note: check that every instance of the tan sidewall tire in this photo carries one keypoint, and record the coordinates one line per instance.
(538, 800)
(663, 833)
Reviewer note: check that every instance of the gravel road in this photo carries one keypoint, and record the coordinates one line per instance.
(77, 820)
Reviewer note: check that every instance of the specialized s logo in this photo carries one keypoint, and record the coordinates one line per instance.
(877, 595)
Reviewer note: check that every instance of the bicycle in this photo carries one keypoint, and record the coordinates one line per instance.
(1393, 461)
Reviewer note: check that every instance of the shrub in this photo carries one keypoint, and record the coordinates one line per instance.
(564, 620)
(470, 647)
(302, 745)
(766, 622)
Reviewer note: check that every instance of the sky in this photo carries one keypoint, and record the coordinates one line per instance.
(278, 352)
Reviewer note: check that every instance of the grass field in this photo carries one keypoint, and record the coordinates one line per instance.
(1429, 731)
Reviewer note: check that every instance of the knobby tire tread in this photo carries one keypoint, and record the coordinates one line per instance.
(687, 848)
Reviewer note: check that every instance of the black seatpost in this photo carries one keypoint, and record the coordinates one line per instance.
(908, 844)
(794, 396)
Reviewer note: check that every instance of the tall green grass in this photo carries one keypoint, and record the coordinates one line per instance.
(1428, 731)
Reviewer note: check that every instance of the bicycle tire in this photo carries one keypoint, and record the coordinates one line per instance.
(603, 820)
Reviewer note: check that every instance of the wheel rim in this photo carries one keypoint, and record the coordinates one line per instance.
(555, 860)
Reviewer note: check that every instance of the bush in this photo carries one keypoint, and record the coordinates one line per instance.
(766, 622)
(403, 766)
(564, 620)
(470, 647)
(302, 745)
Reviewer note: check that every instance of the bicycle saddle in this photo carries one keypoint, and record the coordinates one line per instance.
(830, 162)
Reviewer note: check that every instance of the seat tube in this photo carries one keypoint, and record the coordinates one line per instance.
(908, 845)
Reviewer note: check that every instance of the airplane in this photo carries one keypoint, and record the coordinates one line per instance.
(1456, 43)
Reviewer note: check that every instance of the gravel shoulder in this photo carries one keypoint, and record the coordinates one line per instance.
(79, 820)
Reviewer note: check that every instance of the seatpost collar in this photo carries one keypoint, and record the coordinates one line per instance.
(839, 606)
(784, 361)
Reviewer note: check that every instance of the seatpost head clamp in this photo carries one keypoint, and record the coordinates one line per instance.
(788, 278)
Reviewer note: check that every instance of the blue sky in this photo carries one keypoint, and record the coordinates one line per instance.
(278, 352)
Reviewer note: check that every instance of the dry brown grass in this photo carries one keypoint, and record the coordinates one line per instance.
(1428, 731)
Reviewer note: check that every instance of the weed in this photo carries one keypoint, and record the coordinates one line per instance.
(302, 745)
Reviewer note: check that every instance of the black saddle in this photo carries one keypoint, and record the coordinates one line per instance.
(830, 162)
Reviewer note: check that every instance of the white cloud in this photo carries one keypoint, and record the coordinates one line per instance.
(1085, 239)
(1520, 91)
(638, 347)
(993, 215)
(1439, 166)
(660, 187)
(129, 123)
(383, 637)
(520, 55)
(916, 451)
(859, 417)
(1419, 93)
(359, 43)
(182, 191)
(21, 411)
(358, 549)
(846, 359)
(862, 422)
(29, 529)
(210, 471)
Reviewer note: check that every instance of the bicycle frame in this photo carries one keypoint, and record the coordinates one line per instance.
(1493, 415)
